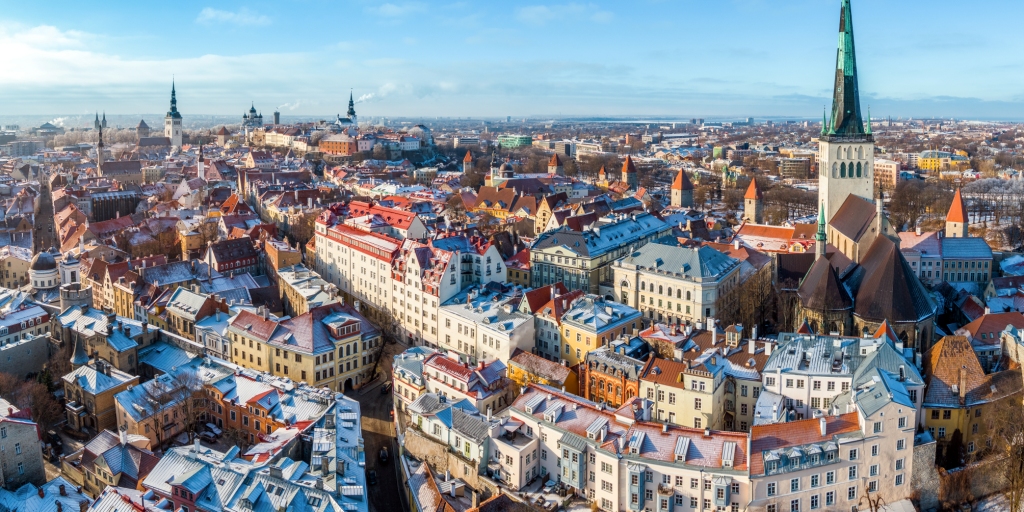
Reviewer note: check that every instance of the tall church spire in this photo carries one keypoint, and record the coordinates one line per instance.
(846, 118)
(820, 237)
(174, 103)
(351, 105)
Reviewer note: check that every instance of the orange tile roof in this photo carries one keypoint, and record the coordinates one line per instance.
(555, 162)
(796, 433)
(628, 166)
(682, 182)
(753, 191)
(469, 157)
(957, 210)
(992, 324)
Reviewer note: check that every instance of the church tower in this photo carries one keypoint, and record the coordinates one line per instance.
(555, 167)
(99, 153)
(753, 203)
(956, 219)
(352, 111)
(172, 122)
(629, 176)
(846, 148)
(682, 191)
(467, 163)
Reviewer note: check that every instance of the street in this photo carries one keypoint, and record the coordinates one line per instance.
(379, 431)
(44, 237)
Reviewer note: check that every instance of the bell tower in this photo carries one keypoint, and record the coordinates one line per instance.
(172, 121)
(846, 147)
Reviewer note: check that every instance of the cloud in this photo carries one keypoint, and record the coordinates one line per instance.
(390, 10)
(242, 17)
(290, 106)
(540, 15)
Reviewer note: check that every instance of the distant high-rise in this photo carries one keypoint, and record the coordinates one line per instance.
(172, 121)
(277, 117)
(846, 147)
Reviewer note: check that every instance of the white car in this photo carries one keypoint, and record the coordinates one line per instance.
(213, 428)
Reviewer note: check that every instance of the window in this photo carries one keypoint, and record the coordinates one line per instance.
(899, 479)
(874, 450)
(794, 485)
(899, 464)
(901, 444)
(694, 483)
(935, 414)
(942, 432)
(830, 478)
(771, 489)
(17, 448)
(606, 468)
(947, 414)
(771, 507)
(794, 506)
(851, 493)
(873, 471)
(814, 502)
(873, 486)
(853, 472)
(853, 454)
(903, 422)
(769, 381)
(878, 427)
(830, 498)
(815, 481)
(816, 386)
(606, 486)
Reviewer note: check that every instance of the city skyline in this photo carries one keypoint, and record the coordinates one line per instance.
(738, 58)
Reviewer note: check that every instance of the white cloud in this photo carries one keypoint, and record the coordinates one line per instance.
(540, 15)
(243, 17)
(390, 10)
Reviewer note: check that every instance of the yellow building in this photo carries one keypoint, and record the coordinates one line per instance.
(14, 263)
(90, 391)
(592, 322)
(706, 392)
(959, 395)
(525, 367)
(330, 346)
(943, 161)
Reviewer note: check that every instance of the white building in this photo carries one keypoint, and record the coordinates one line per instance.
(484, 324)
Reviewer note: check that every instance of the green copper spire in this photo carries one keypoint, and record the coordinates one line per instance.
(846, 117)
(867, 127)
(820, 237)
(824, 121)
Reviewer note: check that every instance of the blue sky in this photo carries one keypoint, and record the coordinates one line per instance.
(423, 58)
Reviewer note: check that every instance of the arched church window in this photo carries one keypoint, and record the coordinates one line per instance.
(858, 169)
(842, 170)
(835, 170)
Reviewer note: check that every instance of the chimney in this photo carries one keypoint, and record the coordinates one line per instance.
(736, 244)
(60, 506)
(963, 384)
(83, 506)
(767, 348)
(903, 373)
(41, 493)
(752, 344)
(195, 446)
(919, 231)
(822, 426)
(63, 490)
(122, 433)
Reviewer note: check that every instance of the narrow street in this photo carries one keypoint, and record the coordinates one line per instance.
(44, 236)
(378, 432)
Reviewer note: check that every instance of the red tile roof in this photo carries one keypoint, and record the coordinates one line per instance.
(957, 210)
(682, 182)
(991, 325)
(538, 297)
(469, 157)
(796, 433)
(627, 166)
(753, 191)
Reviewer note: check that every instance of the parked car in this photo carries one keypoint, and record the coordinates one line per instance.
(207, 436)
(386, 388)
(213, 428)
(371, 477)
(54, 439)
(384, 455)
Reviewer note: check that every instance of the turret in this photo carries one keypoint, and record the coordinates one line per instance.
(956, 219)
(753, 203)
(820, 238)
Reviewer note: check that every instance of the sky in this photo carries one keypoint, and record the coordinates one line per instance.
(656, 58)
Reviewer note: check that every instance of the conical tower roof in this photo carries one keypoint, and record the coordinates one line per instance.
(469, 157)
(957, 210)
(753, 191)
(627, 166)
(682, 182)
(846, 116)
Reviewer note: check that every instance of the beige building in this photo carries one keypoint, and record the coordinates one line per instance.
(329, 346)
(673, 284)
(14, 263)
(90, 391)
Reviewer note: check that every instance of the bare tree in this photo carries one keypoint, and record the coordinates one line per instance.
(874, 500)
(1006, 446)
(194, 402)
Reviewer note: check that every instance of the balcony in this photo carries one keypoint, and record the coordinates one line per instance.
(75, 408)
(666, 490)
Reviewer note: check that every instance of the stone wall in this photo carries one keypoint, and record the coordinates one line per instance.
(925, 477)
(24, 357)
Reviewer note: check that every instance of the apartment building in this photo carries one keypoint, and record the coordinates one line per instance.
(806, 372)
(862, 448)
(483, 323)
(610, 377)
(547, 304)
(618, 459)
(330, 346)
(407, 377)
(90, 391)
(428, 274)
(302, 289)
(485, 386)
(100, 463)
(582, 260)
(591, 322)
(673, 284)
(21, 448)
